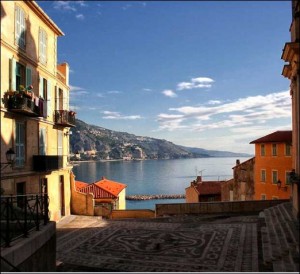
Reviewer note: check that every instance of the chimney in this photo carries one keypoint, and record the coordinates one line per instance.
(238, 162)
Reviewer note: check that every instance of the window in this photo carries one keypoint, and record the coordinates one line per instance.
(288, 149)
(59, 142)
(263, 175)
(19, 75)
(287, 178)
(46, 93)
(263, 196)
(262, 150)
(274, 150)
(42, 141)
(20, 144)
(44, 186)
(42, 46)
(274, 176)
(20, 27)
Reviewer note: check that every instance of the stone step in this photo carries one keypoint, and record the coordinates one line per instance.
(266, 247)
(273, 239)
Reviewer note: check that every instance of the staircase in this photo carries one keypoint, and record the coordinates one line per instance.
(280, 238)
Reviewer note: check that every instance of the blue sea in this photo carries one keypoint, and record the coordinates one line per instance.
(156, 176)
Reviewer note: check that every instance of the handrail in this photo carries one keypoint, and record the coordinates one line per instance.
(19, 214)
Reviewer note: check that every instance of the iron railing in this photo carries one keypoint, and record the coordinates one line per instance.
(23, 105)
(21, 214)
(46, 163)
(64, 118)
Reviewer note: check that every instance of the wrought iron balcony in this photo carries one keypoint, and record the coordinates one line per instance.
(21, 214)
(65, 118)
(22, 104)
(46, 163)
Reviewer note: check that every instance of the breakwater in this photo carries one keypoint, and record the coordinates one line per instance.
(152, 197)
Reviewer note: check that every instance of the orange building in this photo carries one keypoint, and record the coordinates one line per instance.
(273, 163)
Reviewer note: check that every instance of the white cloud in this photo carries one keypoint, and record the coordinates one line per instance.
(169, 93)
(64, 5)
(127, 6)
(199, 82)
(147, 89)
(76, 91)
(117, 116)
(81, 3)
(80, 16)
(243, 112)
(214, 102)
(114, 92)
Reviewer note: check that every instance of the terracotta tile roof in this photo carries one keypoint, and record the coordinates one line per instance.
(208, 187)
(110, 186)
(79, 185)
(275, 137)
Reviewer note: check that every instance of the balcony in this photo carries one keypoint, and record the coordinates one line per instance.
(21, 103)
(65, 118)
(46, 163)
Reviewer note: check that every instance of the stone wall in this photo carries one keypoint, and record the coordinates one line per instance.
(215, 207)
(37, 253)
(137, 213)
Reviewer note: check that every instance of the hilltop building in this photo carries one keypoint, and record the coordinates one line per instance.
(273, 164)
(35, 115)
(291, 70)
(203, 191)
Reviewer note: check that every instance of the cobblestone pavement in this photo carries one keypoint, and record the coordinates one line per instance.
(174, 244)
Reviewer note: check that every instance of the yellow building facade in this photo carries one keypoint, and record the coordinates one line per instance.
(35, 115)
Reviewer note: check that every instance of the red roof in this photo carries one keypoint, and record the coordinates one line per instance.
(79, 185)
(208, 187)
(110, 186)
(101, 189)
(275, 137)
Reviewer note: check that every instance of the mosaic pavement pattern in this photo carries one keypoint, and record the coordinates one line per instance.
(160, 246)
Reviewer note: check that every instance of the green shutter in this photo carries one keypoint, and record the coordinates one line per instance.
(13, 67)
(28, 77)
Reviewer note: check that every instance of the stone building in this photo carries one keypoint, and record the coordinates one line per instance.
(241, 187)
(35, 115)
(291, 71)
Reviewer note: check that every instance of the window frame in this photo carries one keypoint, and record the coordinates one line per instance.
(274, 150)
(288, 149)
(274, 182)
(43, 46)
(262, 150)
(20, 27)
(20, 144)
(263, 196)
(263, 175)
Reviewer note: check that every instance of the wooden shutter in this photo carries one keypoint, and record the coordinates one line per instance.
(12, 74)
(65, 100)
(41, 87)
(28, 77)
(59, 142)
(49, 98)
(42, 141)
(22, 29)
(20, 144)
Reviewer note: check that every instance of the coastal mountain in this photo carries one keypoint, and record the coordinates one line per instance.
(94, 142)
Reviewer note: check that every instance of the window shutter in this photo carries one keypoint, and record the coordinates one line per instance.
(13, 67)
(59, 143)
(43, 141)
(28, 77)
(20, 144)
(56, 98)
(65, 100)
(17, 24)
(41, 87)
(49, 98)
(22, 29)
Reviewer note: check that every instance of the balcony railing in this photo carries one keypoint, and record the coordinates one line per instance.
(65, 118)
(22, 104)
(21, 214)
(46, 163)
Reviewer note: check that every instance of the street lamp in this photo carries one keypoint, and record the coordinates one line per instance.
(10, 158)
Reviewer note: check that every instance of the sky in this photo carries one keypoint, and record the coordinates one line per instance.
(201, 74)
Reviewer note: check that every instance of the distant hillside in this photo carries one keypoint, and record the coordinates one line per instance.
(94, 142)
